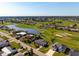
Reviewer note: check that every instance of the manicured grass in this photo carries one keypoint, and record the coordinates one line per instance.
(69, 43)
(5, 31)
(32, 45)
(15, 45)
(25, 26)
(23, 50)
(6, 23)
(44, 49)
(48, 34)
(67, 23)
(59, 54)
(5, 38)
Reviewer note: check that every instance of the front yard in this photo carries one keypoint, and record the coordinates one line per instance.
(58, 54)
(15, 45)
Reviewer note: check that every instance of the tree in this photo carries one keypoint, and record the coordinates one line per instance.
(31, 52)
(28, 41)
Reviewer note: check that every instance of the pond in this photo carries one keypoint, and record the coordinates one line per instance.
(13, 26)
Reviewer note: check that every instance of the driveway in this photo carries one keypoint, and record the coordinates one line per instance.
(50, 52)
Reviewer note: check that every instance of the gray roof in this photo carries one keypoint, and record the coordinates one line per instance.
(41, 42)
(74, 53)
(4, 43)
(60, 47)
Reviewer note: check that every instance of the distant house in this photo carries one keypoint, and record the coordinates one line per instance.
(21, 33)
(41, 42)
(8, 51)
(51, 26)
(74, 30)
(4, 43)
(73, 26)
(60, 28)
(73, 53)
(59, 47)
(4, 27)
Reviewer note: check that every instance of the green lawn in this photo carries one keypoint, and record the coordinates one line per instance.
(48, 34)
(67, 23)
(44, 49)
(71, 43)
(15, 45)
(32, 45)
(23, 50)
(25, 26)
(6, 23)
(5, 38)
(59, 54)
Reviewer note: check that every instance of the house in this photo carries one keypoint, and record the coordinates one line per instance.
(7, 51)
(59, 47)
(73, 53)
(4, 43)
(74, 30)
(73, 26)
(51, 25)
(41, 42)
(62, 28)
(4, 27)
(21, 33)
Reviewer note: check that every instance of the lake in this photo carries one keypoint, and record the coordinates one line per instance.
(29, 30)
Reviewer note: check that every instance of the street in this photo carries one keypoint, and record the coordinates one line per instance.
(23, 44)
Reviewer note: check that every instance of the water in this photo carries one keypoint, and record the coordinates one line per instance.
(13, 26)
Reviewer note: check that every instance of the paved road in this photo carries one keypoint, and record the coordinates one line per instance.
(23, 44)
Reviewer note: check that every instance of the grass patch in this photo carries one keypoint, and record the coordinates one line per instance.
(59, 54)
(5, 38)
(23, 50)
(69, 43)
(15, 45)
(6, 23)
(25, 26)
(44, 49)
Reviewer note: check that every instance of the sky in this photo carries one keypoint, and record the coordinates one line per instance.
(39, 9)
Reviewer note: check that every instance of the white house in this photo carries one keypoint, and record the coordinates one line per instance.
(8, 51)
(21, 33)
